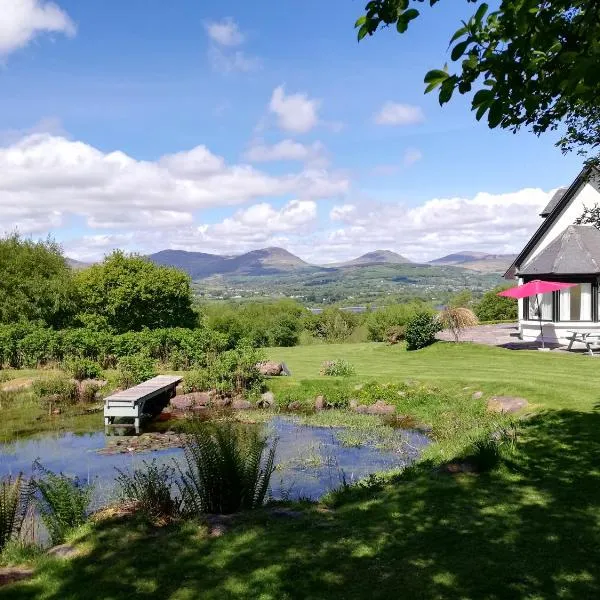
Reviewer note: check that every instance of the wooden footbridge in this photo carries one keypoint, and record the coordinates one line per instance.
(148, 398)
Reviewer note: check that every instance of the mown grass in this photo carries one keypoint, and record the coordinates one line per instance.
(528, 529)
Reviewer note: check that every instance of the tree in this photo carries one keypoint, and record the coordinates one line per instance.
(130, 293)
(36, 283)
(496, 308)
(531, 63)
(590, 216)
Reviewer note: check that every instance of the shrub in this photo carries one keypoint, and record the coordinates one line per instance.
(381, 320)
(457, 320)
(496, 308)
(337, 368)
(150, 488)
(82, 368)
(196, 381)
(395, 334)
(136, 369)
(87, 391)
(337, 393)
(57, 387)
(15, 498)
(235, 371)
(421, 330)
(228, 469)
(63, 502)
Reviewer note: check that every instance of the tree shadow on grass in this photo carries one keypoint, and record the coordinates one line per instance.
(527, 530)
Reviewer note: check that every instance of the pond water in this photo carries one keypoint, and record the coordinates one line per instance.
(311, 460)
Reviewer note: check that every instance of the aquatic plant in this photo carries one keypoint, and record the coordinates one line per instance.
(63, 501)
(151, 489)
(228, 468)
(15, 498)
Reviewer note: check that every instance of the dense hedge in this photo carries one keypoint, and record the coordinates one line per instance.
(34, 346)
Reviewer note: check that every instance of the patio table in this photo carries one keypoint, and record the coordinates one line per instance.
(590, 339)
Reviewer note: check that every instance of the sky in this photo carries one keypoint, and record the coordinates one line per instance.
(226, 126)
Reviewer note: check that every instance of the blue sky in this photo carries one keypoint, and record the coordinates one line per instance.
(310, 140)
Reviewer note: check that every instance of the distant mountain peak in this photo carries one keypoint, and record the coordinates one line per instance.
(377, 257)
(477, 261)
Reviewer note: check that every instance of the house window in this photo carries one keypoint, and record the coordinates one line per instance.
(545, 304)
(576, 303)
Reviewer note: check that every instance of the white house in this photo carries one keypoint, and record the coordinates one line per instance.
(562, 251)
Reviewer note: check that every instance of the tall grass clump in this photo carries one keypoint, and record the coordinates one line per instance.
(150, 489)
(337, 368)
(15, 498)
(457, 320)
(228, 469)
(63, 502)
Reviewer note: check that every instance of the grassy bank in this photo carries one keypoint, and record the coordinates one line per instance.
(529, 529)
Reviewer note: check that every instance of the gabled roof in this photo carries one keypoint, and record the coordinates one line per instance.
(575, 251)
(553, 202)
(589, 174)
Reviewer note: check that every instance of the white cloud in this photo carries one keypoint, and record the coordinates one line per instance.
(291, 150)
(47, 179)
(411, 156)
(393, 113)
(22, 20)
(225, 32)
(495, 223)
(296, 113)
(225, 36)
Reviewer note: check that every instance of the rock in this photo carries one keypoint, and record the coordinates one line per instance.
(361, 409)
(380, 408)
(353, 403)
(222, 402)
(320, 403)
(506, 404)
(296, 405)
(189, 401)
(63, 551)
(270, 368)
(267, 400)
(477, 395)
(241, 404)
(453, 468)
(10, 575)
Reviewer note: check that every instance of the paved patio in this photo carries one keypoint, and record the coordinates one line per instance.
(503, 335)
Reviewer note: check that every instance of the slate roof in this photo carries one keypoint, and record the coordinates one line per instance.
(556, 198)
(576, 251)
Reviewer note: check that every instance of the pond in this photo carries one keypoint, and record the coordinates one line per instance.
(311, 460)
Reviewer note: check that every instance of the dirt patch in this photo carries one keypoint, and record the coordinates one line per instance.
(13, 574)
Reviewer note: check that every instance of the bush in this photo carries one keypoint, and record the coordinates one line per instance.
(421, 330)
(228, 469)
(235, 371)
(150, 488)
(58, 387)
(136, 369)
(395, 334)
(496, 308)
(82, 368)
(336, 393)
(63, 502)
(457, 320)
(15, 498)
(196, 381)
(337, 368)
(380, 321)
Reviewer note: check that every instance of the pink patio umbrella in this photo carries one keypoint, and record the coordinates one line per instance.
(534, 288)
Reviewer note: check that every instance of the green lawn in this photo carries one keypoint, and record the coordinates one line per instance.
(529, 529)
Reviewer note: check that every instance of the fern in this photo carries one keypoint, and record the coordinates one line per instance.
(63, 502)
(228, 469)
(15, 499)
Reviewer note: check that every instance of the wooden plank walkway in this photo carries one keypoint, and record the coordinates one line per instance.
(152, 395)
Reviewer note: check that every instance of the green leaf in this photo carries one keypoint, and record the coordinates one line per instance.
(458, 34)
(361, 21)
(410, 14)
(436, 76)
(431, 87)
(483, 97)
(446, 92)
(401, 25)
(459, 49)
(481, 111)
(364, 29)
(481, 12)
(496, 114)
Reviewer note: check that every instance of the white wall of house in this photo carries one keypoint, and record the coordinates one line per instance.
(587, 196)
(555, 333)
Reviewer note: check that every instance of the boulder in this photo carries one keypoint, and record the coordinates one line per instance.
(477, 395)
(296, 405)
(267, 400)
(320, 403)
(380, 408)
(361, 409)
(63, 551)
(10, 575)
(188, 401)
(270, 368)
(506, 404)
(240, 403)
(222, 402)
